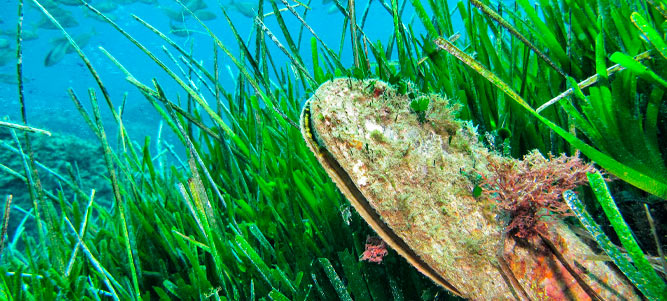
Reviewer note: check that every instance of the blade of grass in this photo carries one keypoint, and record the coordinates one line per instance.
(256, 260)
(82, 233)
(34, 184)
(24, 128)
(337, 283)
(590, 81)
(651, 34)
(631, 64)
(640, 180)
(652, 283)
(294, 59)
(502, 22)
(546, 35)
(120, 203)
(5, 222)
(352, 12)
(242, 145)
(305, 24)
(108, 279)
(250, 78)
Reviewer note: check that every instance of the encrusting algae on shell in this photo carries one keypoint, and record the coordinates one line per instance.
(412, 179)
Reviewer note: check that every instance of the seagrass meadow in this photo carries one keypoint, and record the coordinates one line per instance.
(238, 207)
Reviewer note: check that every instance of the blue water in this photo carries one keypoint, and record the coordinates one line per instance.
(50, 107)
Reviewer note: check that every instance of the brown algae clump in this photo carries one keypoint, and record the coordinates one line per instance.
(410, 170)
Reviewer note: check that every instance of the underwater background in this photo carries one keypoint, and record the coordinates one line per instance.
(48, 91)
(203, 185)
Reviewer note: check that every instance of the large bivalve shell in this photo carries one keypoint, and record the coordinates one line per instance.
(410, 181)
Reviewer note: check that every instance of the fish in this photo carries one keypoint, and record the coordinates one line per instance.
(4, 43)
(70, 2)
(174, 14)
(62, 47)
(29, 35)
(106, 6)
(205, 15)
(64, 17)
(7, 55)
(48, 4)
(111, 15)
(332, 9)
(195, 5)
(246, 8)
(56, 54)
(26, 34)
(9, 79)
(178, 30)
(413, 182)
